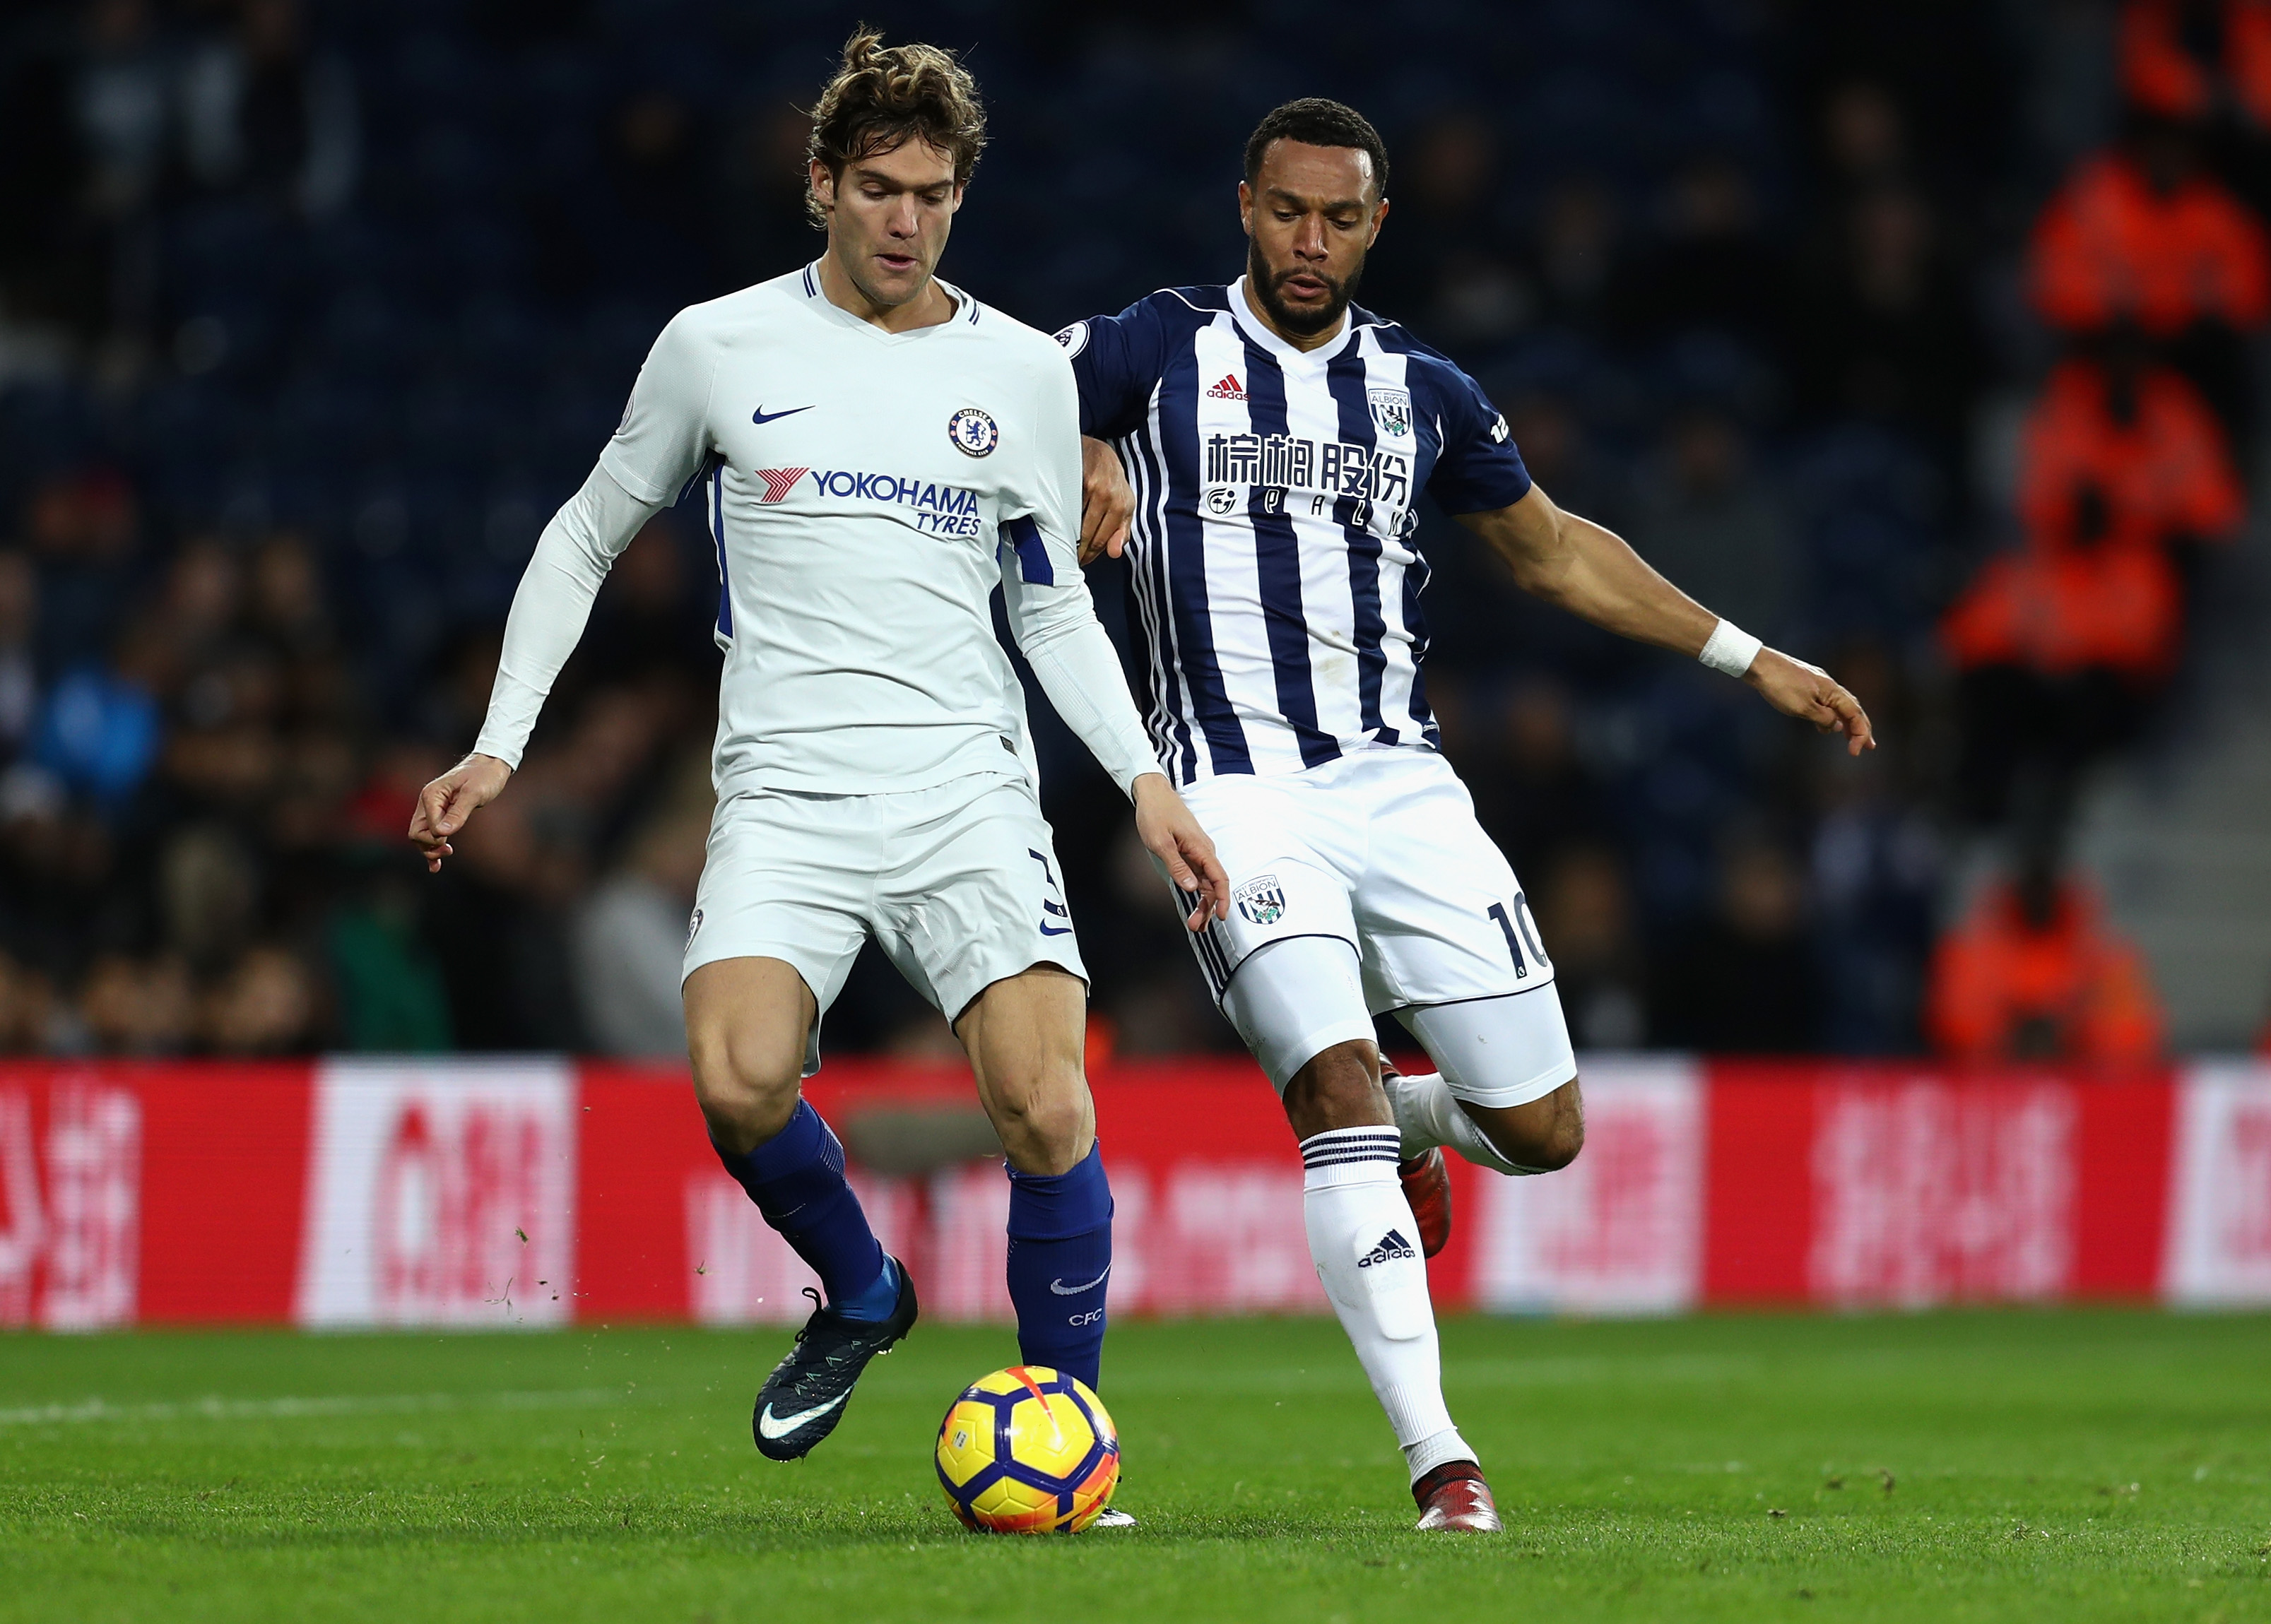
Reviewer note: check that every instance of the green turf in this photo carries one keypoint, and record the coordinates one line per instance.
(1974, 1466)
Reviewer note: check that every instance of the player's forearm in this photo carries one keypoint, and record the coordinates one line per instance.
(1079, 670)
(552, 603)
(1595, 575)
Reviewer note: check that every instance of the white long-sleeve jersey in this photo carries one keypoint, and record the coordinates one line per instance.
(864, 491)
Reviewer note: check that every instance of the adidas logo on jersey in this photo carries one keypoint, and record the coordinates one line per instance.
(1390, 1246)
(1228, 389)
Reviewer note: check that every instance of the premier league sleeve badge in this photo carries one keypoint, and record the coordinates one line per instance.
(972, 432)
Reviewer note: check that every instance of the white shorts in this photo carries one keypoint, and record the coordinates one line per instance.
(1380, 849)
(959, 884)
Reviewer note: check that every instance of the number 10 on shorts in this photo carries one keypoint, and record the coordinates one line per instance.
(1506, 924)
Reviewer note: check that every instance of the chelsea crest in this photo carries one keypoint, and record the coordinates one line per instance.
(972, 432)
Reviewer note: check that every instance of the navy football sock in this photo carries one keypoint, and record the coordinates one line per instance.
(1059, 1262)
(796, 1178)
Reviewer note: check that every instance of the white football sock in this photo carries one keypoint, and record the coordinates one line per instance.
(1428, 1115)
(1364, 1242)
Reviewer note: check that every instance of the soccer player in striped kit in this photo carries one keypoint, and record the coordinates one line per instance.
(1258, 449)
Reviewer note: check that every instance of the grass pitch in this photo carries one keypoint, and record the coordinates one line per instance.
(1949, 1467)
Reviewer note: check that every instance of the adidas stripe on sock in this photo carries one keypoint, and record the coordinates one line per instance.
(1360, 1229)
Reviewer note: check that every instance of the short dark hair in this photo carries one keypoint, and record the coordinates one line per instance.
(1315, 121)
(883, 94)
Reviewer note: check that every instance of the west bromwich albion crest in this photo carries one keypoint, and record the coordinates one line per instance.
(1391, 409)
(1262, 901)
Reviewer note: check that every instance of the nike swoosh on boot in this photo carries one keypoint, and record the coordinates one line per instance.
(781, 1426)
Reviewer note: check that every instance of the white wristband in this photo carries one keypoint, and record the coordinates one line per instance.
(1731, 649)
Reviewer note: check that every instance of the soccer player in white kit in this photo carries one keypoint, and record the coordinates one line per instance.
(875, 450)
(1260, 448)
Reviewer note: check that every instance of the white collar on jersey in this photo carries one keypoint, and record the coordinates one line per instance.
(1257, 331)
(965, 307)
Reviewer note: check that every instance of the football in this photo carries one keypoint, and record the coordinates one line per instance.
(1028, 1450)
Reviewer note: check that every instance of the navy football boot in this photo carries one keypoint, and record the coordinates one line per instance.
(804, 1397)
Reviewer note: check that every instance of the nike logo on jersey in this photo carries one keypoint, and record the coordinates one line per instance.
(1064, 1290)
(762, 416)
(779, 1426)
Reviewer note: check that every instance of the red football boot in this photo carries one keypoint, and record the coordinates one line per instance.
(1454, 1496)
(1427, 1187)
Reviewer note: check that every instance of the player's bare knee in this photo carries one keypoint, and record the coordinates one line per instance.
(1044, 1129)
(1557, 1147)
(747, 1093)
(1543, 1136)
(1339, 1088)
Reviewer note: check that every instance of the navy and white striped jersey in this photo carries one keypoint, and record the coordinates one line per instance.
(1275, 579)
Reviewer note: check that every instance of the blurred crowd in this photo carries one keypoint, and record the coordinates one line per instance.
(1907, 337)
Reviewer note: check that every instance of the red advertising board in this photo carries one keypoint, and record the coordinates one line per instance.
(535, 1192)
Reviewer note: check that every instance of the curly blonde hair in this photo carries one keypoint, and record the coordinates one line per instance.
(883, 94)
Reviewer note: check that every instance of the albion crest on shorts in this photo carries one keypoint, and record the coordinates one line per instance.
(1260, 901)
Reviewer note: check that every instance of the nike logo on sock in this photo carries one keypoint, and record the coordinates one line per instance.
(779, 1426)
(762, 416)
(1064, 1290)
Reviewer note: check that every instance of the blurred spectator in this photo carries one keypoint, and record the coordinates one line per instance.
(136, 1006)
(2062, 652)
(1446, 269)
(265, 1005)
(99, 734)
(2143, 237)
(1882, 328)
(1712, 522)
(2129, 449)
(1532, 792)
(392, 997)
(1747, 981)
(28, 1020)
(2034, 973)
(764, 224)
(2196, 59)
(56, 870)
(84, 528)
(655, 244)
(19, 666)
(263, 113)
(631, 934)
(1876, 867)
(2065, 641)
(1578, 252)
(1562, 457)
(1711, 267)
(1864, 139)
(209, 895)
(1585, 917)
(124, 105)
(1869, 512)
